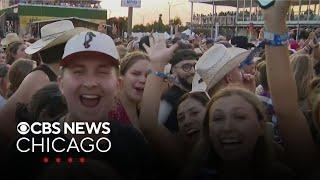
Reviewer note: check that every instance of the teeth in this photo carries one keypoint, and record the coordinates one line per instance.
(90, 96)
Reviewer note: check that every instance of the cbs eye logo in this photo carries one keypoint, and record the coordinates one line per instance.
(23, 128)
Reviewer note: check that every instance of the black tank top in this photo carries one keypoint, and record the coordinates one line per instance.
(47, 70)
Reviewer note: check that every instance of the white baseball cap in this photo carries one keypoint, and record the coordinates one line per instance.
(92, 41)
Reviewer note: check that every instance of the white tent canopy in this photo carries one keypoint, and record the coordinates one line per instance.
(233, 3)
(166, 35)
(187, 32)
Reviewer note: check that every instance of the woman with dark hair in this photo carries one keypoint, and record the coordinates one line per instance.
(190, 115)
(176, 148)
(15, 51)
(173, 149)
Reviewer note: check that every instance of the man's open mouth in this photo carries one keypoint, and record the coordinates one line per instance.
(89, 100)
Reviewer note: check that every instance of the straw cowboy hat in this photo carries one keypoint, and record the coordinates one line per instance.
(198, 85)
(217, 62)
(54, 34)
(10, 38)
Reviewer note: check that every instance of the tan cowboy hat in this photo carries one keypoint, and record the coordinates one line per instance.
(54, 34)
(198, 85)
(10, 38)
(217, 62)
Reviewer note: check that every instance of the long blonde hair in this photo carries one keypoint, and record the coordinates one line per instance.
(303, 73)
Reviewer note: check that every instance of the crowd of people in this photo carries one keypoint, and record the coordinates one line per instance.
(229, 17)
(177, 108)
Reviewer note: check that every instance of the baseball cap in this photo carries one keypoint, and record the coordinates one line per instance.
(92, 41)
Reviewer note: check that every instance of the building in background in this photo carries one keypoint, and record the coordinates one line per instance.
(247, 18)
(74, 3)
(4, 4)
(28, 16)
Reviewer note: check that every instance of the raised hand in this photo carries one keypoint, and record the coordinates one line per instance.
(158, 52)
(295, 131)
(275, 16)
(279, 9)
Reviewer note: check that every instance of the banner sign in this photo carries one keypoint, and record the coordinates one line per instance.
(131, 3)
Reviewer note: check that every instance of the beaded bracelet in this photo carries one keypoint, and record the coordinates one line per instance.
(157, 73)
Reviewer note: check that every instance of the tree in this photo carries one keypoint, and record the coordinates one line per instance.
(157, 26)
(123, 24)
(177, 21)
(139, 28)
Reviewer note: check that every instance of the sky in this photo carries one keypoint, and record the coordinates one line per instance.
(150, 10)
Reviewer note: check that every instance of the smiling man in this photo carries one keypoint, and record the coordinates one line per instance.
(183, 63)
(89, 81)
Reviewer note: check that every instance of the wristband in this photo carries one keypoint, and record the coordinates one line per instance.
(273, 39)
(164, 76)
(158, 74)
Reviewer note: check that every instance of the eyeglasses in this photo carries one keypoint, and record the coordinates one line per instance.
(187, 67)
